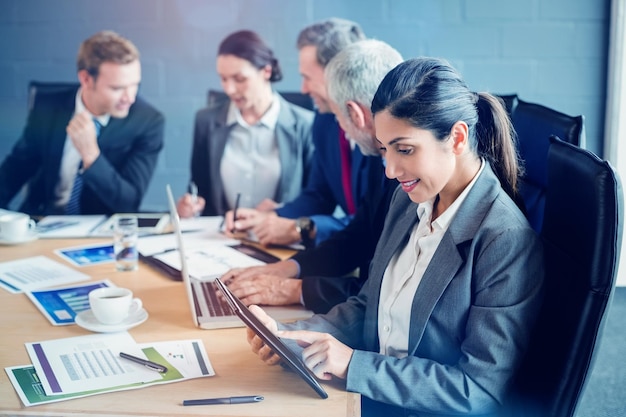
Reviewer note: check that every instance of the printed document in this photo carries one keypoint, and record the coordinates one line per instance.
(86, 363)
(36, 272)
(185, 359)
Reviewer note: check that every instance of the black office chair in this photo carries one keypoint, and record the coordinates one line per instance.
(34, 89)
(215, 98)
(582, 236)
(534, 124)
(43, 87)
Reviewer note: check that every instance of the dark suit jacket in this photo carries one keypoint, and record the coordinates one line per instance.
(117, 180)
(470, 318)
(295, 151)
(324, 269)
(324, 192)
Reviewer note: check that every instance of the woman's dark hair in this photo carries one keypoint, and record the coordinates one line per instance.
(430, 94)
(247, 45)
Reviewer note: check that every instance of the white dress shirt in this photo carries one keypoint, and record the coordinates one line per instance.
(405, 271)
(71, 158)
(251, 164)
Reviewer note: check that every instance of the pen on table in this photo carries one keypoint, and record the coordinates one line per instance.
(233, 230)
(55, 225)
(227, 400)
(148, 364)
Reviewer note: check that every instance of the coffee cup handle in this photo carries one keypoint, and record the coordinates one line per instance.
(32, 224)
(135, 306)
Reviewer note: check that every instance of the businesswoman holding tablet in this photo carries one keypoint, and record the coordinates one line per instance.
(443, 321)
(254, 143)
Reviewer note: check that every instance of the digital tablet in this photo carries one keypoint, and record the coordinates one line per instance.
(288, 356)
(147, 223)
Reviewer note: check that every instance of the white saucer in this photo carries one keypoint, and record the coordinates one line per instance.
(87, 320)
(28, 238)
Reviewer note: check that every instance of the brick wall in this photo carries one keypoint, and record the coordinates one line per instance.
(553, 52)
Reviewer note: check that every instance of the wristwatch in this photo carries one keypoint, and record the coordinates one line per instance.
(306, 227)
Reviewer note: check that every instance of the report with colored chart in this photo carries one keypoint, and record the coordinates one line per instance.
(61, 305)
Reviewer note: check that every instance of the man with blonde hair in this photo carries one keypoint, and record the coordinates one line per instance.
(91, 149)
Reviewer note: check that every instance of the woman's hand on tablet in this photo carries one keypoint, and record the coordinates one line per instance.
(264, 352)
(324, 355)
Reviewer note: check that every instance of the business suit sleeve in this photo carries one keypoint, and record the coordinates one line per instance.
(120, 176)
(344, 321)
(503, 296)
(316, 197)
(323, 269)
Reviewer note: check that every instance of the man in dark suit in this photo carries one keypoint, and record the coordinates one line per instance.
(321, 273)
(309, 217)
(91, 149)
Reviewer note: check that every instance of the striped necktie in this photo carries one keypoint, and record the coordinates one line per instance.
(73, 204)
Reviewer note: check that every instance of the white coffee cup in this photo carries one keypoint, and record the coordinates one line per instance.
(113, 305)
(16, 227)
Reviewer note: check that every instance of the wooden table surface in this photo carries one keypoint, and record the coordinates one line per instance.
(238, 370)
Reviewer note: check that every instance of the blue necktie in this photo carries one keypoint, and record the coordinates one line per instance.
(73, 204)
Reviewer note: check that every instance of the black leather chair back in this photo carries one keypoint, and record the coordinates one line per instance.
(582, 235)
(534, 125)
(43, 87)
(215, 97)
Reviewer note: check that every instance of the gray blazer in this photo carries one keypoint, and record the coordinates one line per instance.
(295, 149)
(471, 315)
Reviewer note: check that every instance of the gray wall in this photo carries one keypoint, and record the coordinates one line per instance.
(549, 51)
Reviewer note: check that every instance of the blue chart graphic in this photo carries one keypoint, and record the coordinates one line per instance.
(61, 305)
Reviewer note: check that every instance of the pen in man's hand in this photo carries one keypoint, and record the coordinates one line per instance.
(234, 229)
(148, 364)
(228, 400)
(193, 191)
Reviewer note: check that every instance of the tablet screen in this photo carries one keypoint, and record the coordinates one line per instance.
(288, 356)
(147, 221)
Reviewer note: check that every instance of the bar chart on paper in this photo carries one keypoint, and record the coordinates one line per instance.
(61, 305)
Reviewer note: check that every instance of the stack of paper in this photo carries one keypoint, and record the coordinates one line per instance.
(77, 367)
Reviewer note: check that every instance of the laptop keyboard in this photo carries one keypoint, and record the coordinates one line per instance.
(218, 307)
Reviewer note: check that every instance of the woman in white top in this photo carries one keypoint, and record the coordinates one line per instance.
(253, 143)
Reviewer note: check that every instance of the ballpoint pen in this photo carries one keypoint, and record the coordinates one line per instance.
(55, 225)
(227, 400)
(148, 364)
(233, 230)
(193, 191)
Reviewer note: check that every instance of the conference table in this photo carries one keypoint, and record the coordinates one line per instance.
(238, 371)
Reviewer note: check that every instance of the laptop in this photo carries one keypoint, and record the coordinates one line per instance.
(209, 311)
(289, 357)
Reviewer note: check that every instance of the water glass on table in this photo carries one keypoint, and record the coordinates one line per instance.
(125, 236)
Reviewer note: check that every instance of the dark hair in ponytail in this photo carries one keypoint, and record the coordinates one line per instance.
(247, 45)
(430, 94)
